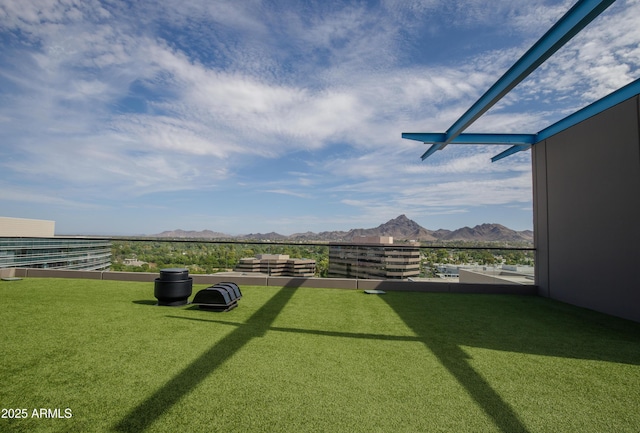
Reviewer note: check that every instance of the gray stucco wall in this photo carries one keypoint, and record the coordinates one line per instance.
(586, 183)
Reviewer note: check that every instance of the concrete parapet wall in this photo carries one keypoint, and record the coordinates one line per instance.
(445, 287)
(214, 279)
(20, 272)
(60, 273)
(329, 283)
(7, 273)
(130, 276)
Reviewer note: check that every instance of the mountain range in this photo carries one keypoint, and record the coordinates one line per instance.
(401, 228)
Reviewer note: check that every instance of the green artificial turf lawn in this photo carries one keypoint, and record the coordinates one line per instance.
(311, 360)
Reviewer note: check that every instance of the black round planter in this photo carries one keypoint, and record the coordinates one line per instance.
(174, 287)
(174, 274)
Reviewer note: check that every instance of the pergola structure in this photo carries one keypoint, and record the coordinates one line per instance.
(581, 14)
(586, 182)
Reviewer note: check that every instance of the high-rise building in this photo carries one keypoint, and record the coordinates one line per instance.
(373, 257)
(28, 243)
(277, 265)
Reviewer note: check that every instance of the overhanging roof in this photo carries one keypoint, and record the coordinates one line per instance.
(581, 14)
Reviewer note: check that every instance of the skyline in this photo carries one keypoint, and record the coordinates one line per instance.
(239, 117)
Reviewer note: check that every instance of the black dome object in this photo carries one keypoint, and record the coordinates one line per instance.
(219, 297)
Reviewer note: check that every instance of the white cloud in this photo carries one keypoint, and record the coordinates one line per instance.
(602, 58)
(13, 193)
(221, 85)
(36, 12)
(288, 192)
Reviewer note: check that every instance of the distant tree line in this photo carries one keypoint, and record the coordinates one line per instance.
(205, 257)
(209, 258)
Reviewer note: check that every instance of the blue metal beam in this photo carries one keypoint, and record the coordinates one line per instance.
(629, 91)
(581, 14)
(437, 138)
(509, 151)
(622, 94)
(425, 137)
(432, 150)
(522, 142)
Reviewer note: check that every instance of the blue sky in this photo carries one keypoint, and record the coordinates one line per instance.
(122, 117)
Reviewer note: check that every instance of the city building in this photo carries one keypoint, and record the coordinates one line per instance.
(29, 243)
(277, 265)
(374, 257)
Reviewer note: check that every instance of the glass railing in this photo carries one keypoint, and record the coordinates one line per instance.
(464, 263)
(490, 263)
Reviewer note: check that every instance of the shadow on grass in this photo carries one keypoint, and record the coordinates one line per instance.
(141, 417)
(312, 331)
(522, 324)
(450, 355)
(444, 323)
(511, 323)
(145, 302)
